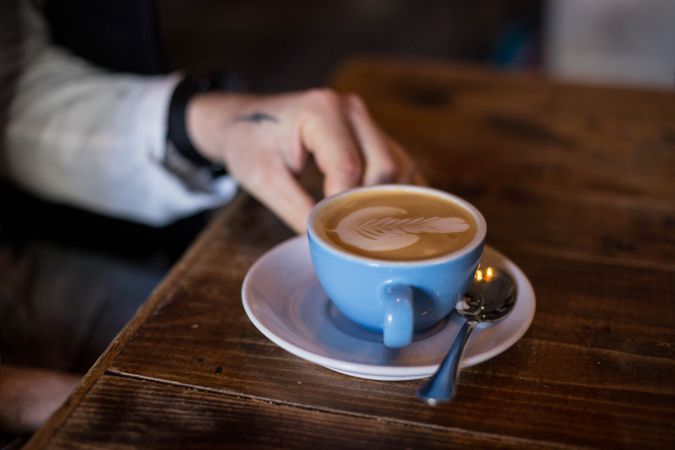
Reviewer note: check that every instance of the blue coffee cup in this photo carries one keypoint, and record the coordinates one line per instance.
(395, 298)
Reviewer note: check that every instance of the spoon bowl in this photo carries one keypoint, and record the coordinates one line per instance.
(491, 296)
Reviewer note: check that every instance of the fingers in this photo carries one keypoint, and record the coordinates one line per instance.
(408, 172)
(279, 191)
(348, 146)
(326, 133)
(381, 164)
(386, 161)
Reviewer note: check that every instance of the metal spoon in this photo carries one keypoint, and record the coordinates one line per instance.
(491, 296)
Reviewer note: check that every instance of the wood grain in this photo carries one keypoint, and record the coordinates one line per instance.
(167, 416)
(612, 340)
(584, 170)
(576, 185)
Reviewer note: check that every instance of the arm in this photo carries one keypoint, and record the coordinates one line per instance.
(83, 136)
(29, 396)
(90, 138)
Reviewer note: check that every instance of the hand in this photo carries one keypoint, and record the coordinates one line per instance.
(29, 396)
(265, 141)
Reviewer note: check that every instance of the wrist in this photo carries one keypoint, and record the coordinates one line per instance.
(185, 154)
(204, 123)
(177, 131)
(210, 123)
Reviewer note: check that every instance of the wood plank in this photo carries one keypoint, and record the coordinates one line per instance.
(575, 168)
(601, 345)
(636, 235)
(125, 413)
(519, 121)
(576, 184)
(158, 296)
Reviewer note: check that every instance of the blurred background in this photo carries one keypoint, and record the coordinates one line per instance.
(293, 44)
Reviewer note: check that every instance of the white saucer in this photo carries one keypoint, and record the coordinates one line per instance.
(284, 300)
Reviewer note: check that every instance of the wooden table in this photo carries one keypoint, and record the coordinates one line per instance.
(577, 185)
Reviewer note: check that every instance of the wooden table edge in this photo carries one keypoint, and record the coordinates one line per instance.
(43, 435)
(102, 366)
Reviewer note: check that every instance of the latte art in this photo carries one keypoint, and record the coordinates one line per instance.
(396, 225)
(381, 228)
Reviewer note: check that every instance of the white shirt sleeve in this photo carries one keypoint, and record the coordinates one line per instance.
(83, 136)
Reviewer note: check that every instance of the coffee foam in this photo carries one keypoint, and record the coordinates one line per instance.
(396, 224)
(378, 229)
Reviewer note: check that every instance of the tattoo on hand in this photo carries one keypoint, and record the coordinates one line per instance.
(256, 117)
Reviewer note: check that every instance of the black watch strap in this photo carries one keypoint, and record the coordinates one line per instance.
(177, 133)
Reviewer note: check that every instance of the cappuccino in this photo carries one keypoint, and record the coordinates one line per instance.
(396, 225)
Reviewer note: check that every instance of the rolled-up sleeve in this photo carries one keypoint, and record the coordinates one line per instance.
(83, 136)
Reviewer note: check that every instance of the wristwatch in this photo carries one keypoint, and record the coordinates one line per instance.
(181, 157)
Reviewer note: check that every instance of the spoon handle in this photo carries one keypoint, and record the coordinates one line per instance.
(442, 385)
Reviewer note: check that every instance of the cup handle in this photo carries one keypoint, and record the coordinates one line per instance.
(398, 315)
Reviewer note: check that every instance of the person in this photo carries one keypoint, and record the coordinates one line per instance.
(152, 147)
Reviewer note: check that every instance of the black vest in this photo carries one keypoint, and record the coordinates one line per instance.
(121, 35)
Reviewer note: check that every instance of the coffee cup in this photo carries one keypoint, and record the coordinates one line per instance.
(395, 258)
